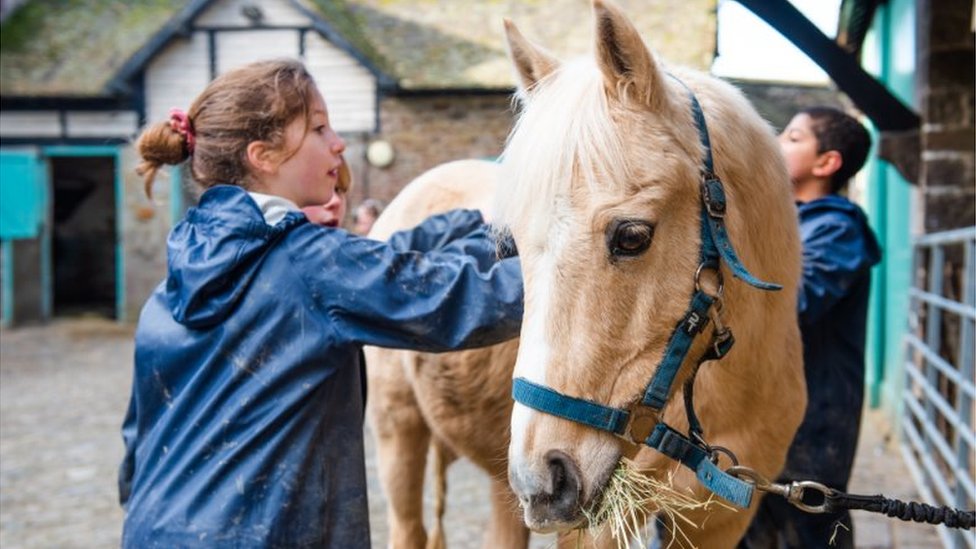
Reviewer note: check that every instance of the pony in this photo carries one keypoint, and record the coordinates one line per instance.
(456, 404)
(600, 186)
(619, 177)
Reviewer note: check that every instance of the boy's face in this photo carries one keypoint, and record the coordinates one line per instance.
(799, 146)
(308, 176)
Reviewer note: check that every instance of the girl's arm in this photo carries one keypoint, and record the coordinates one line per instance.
(433, 301)
(437, 230)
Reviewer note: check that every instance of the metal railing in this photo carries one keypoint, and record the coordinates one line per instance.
(938, 440)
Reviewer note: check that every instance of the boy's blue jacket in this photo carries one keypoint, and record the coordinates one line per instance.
(245, 423)
(839, 250)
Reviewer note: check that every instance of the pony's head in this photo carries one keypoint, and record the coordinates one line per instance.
(601, 192)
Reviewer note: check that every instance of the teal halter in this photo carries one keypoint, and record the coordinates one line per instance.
(639, 423)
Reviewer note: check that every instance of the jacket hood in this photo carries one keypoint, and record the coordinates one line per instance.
(215, 252)
(842, 206)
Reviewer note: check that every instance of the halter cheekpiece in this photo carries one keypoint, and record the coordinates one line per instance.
(640, 423)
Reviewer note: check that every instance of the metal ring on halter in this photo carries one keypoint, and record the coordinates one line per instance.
(718, 275)
(714, 452)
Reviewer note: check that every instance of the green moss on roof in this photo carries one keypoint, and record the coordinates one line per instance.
(74, 47)
(352, 27)
(460, 43)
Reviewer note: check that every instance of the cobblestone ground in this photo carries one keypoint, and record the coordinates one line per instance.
(63, 393)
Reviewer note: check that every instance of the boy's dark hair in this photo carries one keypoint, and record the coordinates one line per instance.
(838, 131)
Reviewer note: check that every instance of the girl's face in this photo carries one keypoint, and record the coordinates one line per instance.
(799, 146)
(309, 175)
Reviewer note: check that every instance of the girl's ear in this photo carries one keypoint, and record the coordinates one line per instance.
(827, 164)
(262, 158)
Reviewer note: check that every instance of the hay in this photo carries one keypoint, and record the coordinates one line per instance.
(629, 496)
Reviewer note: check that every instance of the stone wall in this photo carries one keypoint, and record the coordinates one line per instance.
(777, 103)
(945, 91)
(429, 130)
(146, 222)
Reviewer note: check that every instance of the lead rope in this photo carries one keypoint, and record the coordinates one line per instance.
(835, 500)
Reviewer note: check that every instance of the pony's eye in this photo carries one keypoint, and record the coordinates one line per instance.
(628, 238)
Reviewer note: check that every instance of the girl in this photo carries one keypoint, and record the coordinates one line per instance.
(245, 424)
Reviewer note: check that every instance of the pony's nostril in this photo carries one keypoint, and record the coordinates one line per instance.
(565, 485)
(557, 474)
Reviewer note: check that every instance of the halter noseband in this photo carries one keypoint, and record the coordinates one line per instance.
(639, 423)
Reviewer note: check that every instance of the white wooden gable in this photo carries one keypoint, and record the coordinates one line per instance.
(222, 38)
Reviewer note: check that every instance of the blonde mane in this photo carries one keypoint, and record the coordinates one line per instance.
(538, 167)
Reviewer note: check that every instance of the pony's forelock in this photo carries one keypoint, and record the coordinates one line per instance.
(564, 133)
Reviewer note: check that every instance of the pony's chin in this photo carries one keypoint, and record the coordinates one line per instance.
(547, 525)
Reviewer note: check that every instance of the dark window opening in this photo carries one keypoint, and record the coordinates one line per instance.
(84, 236)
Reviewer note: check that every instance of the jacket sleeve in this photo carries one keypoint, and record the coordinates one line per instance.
(433, 301)
(834, 257)
(436, 231)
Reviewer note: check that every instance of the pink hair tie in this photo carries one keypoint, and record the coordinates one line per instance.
(180, 122)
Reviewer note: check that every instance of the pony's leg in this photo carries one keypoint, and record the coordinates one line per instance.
(443, 457)
(506, 528)
(402, 439)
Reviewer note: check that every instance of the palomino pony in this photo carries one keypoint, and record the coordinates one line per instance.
(637, 195)
(458, 404)
(603, 193)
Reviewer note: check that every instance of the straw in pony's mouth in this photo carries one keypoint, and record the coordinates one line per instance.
(627, 499)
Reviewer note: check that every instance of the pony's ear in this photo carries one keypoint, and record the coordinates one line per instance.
(531, 62)
(627, 66)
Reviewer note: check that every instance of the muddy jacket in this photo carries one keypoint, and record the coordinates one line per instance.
(245, 423)
(839, 250)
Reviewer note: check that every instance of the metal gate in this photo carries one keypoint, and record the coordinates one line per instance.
(938, 440)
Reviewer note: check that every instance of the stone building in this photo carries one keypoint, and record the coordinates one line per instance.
(429, 79)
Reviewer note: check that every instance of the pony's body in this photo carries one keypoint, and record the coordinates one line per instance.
(457, 403)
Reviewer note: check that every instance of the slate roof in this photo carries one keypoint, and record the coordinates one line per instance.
(73, 47)
(90, 48)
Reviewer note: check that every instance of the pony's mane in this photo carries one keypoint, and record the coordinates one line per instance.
(563, 131)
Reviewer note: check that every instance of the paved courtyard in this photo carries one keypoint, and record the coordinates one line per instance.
(63, 392)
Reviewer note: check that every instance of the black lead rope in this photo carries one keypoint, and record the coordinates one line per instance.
(834, 500)
(907, 511)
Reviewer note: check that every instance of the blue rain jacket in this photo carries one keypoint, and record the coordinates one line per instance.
(245, 423)
(839, 250)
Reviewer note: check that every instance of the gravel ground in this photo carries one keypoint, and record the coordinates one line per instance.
(63, 392)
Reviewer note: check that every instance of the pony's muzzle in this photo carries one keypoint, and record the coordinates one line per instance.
(550, 499)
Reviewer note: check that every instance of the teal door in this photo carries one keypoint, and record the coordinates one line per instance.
(23, 237)
(22, 194)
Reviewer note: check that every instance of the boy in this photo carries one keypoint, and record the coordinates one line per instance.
(823, 148)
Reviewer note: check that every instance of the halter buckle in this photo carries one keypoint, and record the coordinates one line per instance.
(713, 195)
